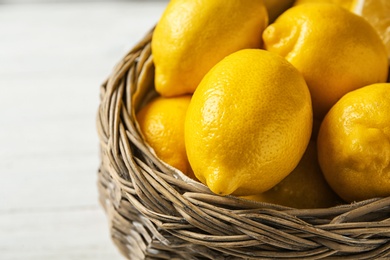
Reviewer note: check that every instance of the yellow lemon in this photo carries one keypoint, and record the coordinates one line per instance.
(192, 36)
(162, 124)
(347, 4)
(354, 144)
(335, 50)
(377, 13)
(304, 187)
(248, 123)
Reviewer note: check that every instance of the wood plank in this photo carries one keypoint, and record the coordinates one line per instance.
(49, 97)
(79, 233)
(53, 58)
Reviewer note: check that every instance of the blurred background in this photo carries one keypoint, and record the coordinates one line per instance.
(54, 55)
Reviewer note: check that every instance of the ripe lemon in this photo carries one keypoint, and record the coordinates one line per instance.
(335, 50)
(304, 187)
(377, 13)
(354, 144)
(248, 123)
(192, 36)
(347, 4)
(162, 123)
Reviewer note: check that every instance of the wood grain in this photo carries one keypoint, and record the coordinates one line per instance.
(53, 59)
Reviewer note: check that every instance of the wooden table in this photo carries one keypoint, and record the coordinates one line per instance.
(53, 58)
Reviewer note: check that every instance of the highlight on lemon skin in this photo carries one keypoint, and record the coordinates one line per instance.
(248, 123)
(335, 55)
(353, 144)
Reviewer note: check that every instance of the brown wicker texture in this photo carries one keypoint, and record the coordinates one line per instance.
(155, 212)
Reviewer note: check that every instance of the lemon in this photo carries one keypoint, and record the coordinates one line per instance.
(192, 36)
(248, 123)
(347, 4)
(162, 124)
(354, 144)
(377, 13)
(304, 187)
(335, 50)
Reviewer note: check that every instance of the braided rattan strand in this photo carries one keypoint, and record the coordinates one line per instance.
(155, 212)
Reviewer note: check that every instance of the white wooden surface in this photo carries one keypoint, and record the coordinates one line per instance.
(53, 58)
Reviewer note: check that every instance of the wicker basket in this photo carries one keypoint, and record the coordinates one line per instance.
(155, 212)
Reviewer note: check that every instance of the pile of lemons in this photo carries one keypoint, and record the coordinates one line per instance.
(276, 101)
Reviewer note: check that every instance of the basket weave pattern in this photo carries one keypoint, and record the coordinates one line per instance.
(155, 212)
